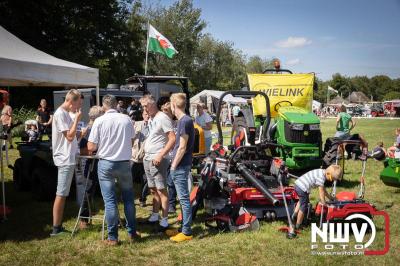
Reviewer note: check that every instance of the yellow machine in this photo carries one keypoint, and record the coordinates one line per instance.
(199, 142)
(199, 149)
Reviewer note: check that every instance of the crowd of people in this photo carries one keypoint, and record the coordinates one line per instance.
(156, 150)
(151, 142)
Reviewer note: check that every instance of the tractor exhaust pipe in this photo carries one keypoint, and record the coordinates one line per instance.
(256, 183)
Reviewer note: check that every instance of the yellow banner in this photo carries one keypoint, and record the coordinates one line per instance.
(281, 89)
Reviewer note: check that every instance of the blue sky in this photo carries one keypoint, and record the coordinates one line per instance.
(351, 37)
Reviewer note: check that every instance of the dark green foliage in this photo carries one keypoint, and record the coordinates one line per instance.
(21, 115)
(379, 87)
(89, 32)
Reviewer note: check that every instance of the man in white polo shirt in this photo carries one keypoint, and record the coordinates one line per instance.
(111, 136)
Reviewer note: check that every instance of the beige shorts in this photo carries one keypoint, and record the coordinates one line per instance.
(156, 175)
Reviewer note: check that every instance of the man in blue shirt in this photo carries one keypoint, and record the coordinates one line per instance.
(181, 165)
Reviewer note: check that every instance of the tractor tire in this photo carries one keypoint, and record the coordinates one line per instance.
(20, 182)
(44, 185)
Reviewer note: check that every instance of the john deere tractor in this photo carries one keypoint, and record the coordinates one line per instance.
(299, 135)
(294, 127)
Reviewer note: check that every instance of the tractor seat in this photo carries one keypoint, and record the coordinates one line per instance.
(346, 196)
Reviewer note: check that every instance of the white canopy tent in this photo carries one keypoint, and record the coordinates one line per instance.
(24, 65)
(207, 96)
(316, 105)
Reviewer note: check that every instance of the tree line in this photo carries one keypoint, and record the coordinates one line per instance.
(376, 88)
(111, 35)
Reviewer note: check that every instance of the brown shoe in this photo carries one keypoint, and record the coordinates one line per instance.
(109, 242)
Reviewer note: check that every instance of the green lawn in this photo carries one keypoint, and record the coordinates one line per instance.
(24, 237)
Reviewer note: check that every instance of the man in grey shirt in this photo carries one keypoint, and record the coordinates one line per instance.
(160, 141)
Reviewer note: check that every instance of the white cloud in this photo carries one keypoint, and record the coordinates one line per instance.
(293, 62)
(293, 42)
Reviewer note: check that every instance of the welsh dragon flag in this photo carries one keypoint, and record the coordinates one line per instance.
(159, 44)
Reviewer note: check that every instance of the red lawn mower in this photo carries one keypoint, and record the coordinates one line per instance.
(346, 203)
(241, 185)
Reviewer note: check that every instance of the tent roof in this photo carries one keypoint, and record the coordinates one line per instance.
(316, 103)
(24, 65)
(358, 97)
(217, 94)
(338, 100)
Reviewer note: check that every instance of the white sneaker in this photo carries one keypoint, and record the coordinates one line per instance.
(164, 222)
(154, 217)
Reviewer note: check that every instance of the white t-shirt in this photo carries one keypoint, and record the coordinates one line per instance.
(311, 179)
(202, 120)
(159, 126)
(113, 133)
(235, 110)
(63, 151)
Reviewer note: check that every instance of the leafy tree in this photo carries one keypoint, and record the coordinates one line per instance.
(363, 84)
(87, 32)
(392, 95)
(320, 93)
(218, 66)
(210, 63)
(181, 23)
(381, 85)
(256, 64)
(342, 84)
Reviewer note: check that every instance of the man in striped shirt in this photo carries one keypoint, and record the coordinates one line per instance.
(312, 179)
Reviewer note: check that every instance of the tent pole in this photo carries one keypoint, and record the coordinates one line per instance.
(3, 189)
(97, 95)
(327, 96)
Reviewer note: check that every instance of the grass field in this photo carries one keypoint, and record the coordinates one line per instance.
(24, 237)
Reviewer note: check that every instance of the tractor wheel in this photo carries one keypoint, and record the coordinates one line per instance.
(44, 184)
(19, 180)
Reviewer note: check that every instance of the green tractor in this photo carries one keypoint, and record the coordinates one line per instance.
(299, 135)
(293, 125)
(390, 175)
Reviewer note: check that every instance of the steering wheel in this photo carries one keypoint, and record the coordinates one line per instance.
(279, 104)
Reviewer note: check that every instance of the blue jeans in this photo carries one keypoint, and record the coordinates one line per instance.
(208, 143)
(180, 178)
(171, 192)
(107, 172)
(342, 135)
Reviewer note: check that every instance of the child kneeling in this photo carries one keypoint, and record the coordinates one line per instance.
(312, 179)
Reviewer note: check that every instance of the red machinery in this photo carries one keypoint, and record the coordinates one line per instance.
(245, 186)
(345, 203)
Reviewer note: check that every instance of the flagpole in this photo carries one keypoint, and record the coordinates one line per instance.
(147, 47)
(327, 96)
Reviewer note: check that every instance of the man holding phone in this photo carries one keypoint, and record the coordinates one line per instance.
(64, 145)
